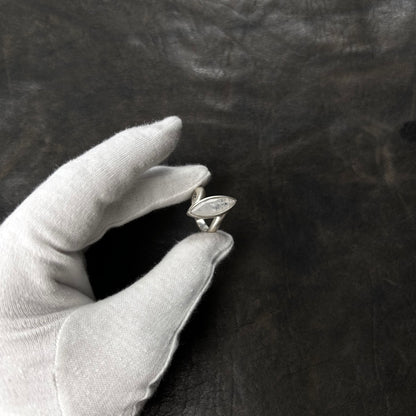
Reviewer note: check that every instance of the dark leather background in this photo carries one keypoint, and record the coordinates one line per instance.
(298, 108)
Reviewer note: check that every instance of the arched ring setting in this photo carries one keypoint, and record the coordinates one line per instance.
(212, 207)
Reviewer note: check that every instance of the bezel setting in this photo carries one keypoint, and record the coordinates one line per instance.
(205, 208)
(212, 208)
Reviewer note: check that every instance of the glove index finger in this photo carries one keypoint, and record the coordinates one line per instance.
(68, 207)
(136, 148)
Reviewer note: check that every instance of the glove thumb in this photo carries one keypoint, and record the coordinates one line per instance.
(111, 354)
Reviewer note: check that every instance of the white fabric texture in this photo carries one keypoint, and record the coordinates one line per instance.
(61, 351)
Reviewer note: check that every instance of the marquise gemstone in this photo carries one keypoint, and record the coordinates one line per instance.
(212, 206)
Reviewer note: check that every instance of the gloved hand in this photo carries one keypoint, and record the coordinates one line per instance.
(61, 352)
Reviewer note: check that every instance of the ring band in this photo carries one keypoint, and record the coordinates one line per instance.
(212, 207)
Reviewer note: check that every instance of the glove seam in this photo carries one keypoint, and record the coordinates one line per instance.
(216, 259)
(55, 372)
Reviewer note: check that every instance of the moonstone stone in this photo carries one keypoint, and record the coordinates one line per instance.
(212, 206)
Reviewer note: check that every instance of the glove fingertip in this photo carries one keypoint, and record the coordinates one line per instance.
(212, 244)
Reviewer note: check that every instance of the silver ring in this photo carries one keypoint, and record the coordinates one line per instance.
(213, 207)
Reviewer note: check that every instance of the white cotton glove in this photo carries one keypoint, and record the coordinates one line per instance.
(61, 352)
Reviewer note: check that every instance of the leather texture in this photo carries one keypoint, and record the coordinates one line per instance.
(303, 111)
